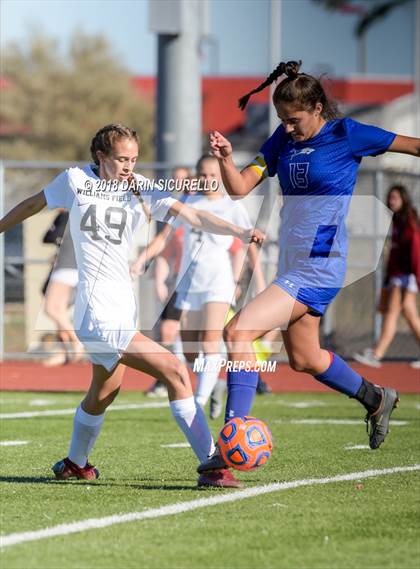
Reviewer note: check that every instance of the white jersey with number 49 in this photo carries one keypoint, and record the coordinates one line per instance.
(103, 219)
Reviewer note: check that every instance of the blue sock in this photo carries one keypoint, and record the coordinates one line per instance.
(341, 377)
(241, 387)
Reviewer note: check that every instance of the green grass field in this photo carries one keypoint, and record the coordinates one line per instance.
(365, 522)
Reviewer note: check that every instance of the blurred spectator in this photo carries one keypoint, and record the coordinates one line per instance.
(59, 291)
(402, 279)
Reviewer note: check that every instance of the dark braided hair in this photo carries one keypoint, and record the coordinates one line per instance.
(291, 69)
(299, 89)
(105, 137)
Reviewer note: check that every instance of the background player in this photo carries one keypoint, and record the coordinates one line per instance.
(106, 206)
(59, 290)
(316, 157)
(166, 271)
(207, 282)
(402, 277)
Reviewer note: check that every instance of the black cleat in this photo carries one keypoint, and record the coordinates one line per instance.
(214, 462)
(263, 388)
(377, 423)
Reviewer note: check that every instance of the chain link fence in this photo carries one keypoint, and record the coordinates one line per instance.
(351, 323)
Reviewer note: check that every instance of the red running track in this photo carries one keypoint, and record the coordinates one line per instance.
(33, 376)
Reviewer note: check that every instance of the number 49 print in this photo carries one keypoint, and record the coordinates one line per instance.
(115, 218)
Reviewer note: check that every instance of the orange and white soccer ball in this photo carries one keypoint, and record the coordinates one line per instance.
(245, 443)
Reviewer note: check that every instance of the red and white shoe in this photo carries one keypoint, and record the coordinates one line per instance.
(65, 469)
(222, 478)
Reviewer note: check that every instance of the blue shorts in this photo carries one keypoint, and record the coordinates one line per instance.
(406, 282)
(315, 298)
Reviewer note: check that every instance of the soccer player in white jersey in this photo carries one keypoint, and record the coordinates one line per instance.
(205, 287)
(206, 283)
(106, 206)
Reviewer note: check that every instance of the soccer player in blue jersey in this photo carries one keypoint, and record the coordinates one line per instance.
(316, 156)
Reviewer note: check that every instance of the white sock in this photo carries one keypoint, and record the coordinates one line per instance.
(206, 380)
(178, 349)
(86, 429)
(192, 422)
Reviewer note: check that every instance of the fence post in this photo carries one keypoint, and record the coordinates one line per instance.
(378, 190)
(2, 264)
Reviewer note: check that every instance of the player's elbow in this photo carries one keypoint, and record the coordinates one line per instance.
(237, 191)
(197, 219)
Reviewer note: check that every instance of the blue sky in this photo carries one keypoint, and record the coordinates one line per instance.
(323, 40)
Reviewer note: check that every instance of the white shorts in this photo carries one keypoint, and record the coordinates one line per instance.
(195, 300)
(407, 282)
(105, 322)
(69, 277)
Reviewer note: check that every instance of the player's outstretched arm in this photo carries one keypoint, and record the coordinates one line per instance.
(212, 224)
(405, 145)
(236, 183)
(255, 264)
(162, 272)
(156, 246)
(22, 211)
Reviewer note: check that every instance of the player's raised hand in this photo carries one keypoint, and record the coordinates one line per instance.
(254, 236)
(220, 146)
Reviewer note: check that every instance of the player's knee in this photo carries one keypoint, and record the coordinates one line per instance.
(211, 343)
(230, 334)
(169, 331)
(302, 363)
(176, 373)
(52, 309)
(407, 311)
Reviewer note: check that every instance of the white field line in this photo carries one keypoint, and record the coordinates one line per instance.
(176, 445)
(55, 412)
(12, 443)
(181, 507)
(302, 404)
(356, 447)
(332, 422)
(41, 402)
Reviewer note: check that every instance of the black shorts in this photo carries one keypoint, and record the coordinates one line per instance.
(170, 312)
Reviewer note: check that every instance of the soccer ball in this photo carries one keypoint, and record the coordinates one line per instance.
(245, 443)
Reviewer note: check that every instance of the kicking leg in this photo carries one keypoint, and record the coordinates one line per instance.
(145, 355)
(271, 309)
(305, 355)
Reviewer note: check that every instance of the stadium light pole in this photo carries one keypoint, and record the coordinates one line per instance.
(180, 25)
(273, 121)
